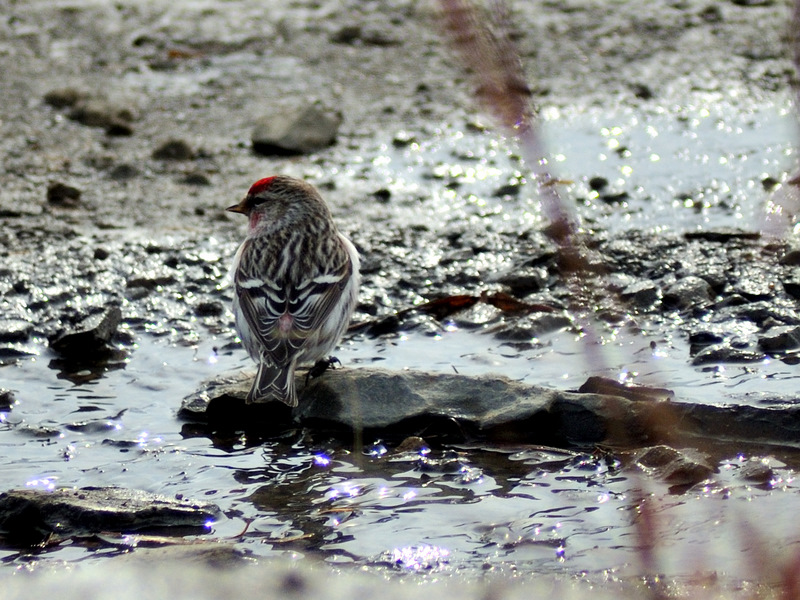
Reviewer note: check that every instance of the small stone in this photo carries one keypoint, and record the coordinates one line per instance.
(91, 336)
(382, 195)
(101, 254)
(296, 131)
(209, 309)
(376, 35)
(196, 178)
(7, 399)
(780, 338)
(62, 194)
(598, 183)
(119, 128)
(612, 387)
(174, 150)
(124, 172)
(348, 34)
(792, 287)
(688, 292)
(726, 353)
(791, 257)
(682, 468)
(64, 97)
(403, 138)
(510, 189)
(524, 281)
(641, 294)
(100, 113)
(15, 330)
(757, 470)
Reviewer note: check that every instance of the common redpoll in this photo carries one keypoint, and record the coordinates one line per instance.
(295, 281)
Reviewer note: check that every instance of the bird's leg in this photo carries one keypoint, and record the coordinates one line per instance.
(321, 366)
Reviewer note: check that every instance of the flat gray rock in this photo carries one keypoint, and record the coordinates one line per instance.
(30, 517)
(459, 407)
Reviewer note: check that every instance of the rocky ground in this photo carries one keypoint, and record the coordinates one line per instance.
(128, 128)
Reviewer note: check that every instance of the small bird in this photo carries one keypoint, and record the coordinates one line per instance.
(295, 279)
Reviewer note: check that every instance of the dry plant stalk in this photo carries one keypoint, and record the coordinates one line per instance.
(482, 40)
(502, 90)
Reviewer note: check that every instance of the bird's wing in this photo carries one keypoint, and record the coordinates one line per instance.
(265, 302)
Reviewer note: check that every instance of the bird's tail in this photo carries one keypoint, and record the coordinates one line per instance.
(273, 383)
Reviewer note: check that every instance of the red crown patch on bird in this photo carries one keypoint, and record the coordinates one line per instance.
(260, 185)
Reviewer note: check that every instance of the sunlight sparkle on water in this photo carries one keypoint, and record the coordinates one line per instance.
(321, 460)
(417, 558)
(45, 483)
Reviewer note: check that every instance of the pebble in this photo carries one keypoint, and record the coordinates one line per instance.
(15, 330)
(688, 292)
(64, 97)
(174, 150)
(7, 399)
(61, 194)
(780, 338)
(682, 468)
(301, 130)
(90, 336)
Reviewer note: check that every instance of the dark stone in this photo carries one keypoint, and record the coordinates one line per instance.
(348, 34)
(780, 338)
(792, 287)
(7, 399)
(524, 281)
(91, 336)
(611, 387)
(296, 131)
(209, 309)
(641, 294)
(722, 235)
(791, 258)
(101, 113)
(196, 178)
(756, 470)
(598, 183)
(688, 292)
(63, 194)
(725, 353)
(15, 330)
(403, 138)
(30, 517)
(509, 189)
(124, 172)
(150, 282)
(682, 468)
(382, 195)
(174, 150)
(64, 97)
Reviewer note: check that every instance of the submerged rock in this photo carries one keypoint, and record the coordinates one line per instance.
(30, 517)
(681, 468)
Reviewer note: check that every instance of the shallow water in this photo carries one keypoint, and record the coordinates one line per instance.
(452, 510)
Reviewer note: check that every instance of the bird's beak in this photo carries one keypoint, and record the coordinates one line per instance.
(238, 208)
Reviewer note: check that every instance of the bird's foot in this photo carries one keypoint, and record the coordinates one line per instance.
(321, 366)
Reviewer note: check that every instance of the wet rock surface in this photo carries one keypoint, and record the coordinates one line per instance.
(30, 517)
(457, 408)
